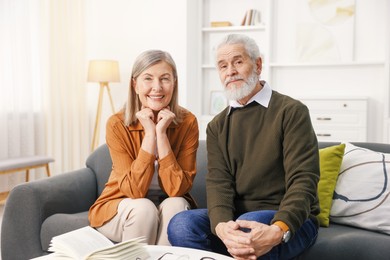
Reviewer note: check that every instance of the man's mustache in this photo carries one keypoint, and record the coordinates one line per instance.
(228, 80)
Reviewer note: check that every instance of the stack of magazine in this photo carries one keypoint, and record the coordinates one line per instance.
(88, 243)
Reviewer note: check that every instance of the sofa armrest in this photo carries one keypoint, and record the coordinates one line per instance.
(29, 204)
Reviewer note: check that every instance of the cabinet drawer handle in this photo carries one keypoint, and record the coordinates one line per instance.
(324, 135)
(324, 118)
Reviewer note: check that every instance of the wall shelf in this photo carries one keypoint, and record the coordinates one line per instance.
(234, 28)
(208, 66)
(330, 64)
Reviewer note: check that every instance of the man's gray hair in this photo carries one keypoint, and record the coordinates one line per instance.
(249, 44)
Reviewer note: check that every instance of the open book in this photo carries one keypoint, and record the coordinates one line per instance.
(88, 243)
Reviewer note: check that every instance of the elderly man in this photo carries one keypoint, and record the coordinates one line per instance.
(263, 168)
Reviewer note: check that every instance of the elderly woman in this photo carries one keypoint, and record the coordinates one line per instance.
(153, 143)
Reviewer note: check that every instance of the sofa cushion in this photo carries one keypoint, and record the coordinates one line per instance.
(330, 161)
(339, 242)
(361, 197)
(101, 164)
(198, 191)
(61, 223)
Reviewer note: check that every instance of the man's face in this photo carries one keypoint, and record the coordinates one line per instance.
(238, 73)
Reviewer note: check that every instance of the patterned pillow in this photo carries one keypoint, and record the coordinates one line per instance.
(361, 197)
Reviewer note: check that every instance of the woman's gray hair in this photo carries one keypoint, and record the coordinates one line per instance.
(143, 62)
(249, 44)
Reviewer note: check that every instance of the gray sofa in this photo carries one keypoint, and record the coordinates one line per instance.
(37, 211)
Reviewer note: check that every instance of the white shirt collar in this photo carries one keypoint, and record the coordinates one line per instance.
(262, 97)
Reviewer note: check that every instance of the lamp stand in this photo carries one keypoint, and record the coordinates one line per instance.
(96, 131)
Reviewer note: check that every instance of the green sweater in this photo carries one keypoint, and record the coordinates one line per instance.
(263, 158)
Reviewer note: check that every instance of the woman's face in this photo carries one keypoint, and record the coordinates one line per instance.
(155, 85)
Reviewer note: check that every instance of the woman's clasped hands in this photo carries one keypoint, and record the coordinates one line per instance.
(155, 124)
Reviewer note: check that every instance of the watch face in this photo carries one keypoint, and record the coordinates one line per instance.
(286, 236)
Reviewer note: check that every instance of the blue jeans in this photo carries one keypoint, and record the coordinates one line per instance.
(191, 228)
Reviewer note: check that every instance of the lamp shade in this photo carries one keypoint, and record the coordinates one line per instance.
(103, 71)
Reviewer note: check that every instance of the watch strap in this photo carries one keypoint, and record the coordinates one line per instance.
(282, 226)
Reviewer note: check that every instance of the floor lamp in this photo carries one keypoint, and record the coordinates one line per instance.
(102, 71)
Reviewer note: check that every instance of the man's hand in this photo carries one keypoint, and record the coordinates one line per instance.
(258, 241)
(236, 241)
(263, 237)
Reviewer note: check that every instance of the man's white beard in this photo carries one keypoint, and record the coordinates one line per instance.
(236, 93)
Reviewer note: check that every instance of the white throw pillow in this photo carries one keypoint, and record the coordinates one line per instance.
(361, 197)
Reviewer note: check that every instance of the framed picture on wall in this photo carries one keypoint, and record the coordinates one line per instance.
(218, 102)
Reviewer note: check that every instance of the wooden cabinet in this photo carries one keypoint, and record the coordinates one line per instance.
(339, 119)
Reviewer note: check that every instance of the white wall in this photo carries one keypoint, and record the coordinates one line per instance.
(121, 30)
(362, 72)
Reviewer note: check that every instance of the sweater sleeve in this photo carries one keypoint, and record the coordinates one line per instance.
(301, 164)
(219, 180)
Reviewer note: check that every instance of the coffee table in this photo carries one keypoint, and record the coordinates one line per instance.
(168, 253)
(181, 253)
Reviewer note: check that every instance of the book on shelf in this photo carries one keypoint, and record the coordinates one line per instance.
(88, 243)
(220, 24)
(252, 17)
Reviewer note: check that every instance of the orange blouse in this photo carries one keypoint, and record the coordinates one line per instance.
(133, 168)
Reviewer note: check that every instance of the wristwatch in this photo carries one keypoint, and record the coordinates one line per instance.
(286, 236)
(286, 231)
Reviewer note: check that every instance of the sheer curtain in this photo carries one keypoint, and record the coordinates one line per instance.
(42, 84)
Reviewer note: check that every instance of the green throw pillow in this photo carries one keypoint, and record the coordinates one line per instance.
(330, 162)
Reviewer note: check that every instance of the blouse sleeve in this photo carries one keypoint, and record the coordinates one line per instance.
(133, 168)
(178, 169)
